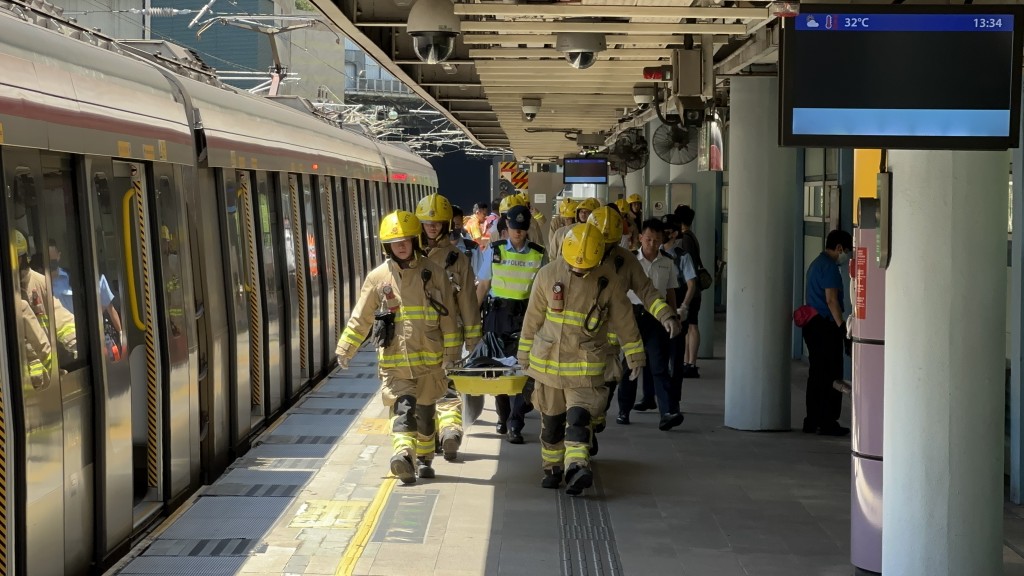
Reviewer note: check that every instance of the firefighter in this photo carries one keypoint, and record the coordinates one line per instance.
(507, 277)
(38, 354)
(623, 264)
(507, 203)
(566, 214)
(634, 216)
(538, 216)
(583, 210)
(406, 304)
(563, 346)
(36, 291)
(435, 214)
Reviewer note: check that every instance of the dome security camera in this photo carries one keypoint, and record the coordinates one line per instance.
(580, 48)
(531, 106)
(433, 26)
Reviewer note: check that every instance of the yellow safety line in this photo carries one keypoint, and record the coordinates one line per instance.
(358, 543)
(126, 210)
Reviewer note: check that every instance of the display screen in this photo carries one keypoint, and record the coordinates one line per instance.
(585, 170)
(920, 77)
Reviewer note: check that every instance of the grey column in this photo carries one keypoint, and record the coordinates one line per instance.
(762, 185)
(945, 314)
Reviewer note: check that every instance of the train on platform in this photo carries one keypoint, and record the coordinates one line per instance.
(183, 257)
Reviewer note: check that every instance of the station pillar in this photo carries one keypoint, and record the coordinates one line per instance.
(945, 328)
(762, 189)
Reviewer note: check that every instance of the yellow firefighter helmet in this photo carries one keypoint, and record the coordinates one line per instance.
(609, 222)
(434, 208)
(634, 198)
(20, 243)
(508, 202)
(583, 247)
(567, 207)
(400, 225)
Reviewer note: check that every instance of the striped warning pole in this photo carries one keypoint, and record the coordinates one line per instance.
(152, 447)
(255, 328)
(300, 274)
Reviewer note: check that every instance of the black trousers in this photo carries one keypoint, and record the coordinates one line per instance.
(505, 319)
(825, 345)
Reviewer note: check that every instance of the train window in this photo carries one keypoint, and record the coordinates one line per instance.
(45, 228)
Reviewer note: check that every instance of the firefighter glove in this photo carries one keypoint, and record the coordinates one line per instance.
(637, 371)
(673, 326)
(343, 362)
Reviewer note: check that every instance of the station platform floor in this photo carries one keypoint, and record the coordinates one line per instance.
(316, 497)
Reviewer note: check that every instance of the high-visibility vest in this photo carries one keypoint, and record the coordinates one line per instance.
(512, 273)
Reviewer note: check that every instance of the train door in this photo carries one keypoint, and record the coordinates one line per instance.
(357, 240)
(211, 323)
(51, 368)
(373, 200)
(176, 314)
(311, 228)
(244, 308)
(297, 298)
(131, 475)
(329, 260)
(342, 246)
(268, 229)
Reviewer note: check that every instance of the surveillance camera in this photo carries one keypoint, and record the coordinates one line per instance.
(433, 26)
(580, 48)
(643, 94)
(531, 106)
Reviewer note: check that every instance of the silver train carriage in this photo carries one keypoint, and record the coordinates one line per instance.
(182, 260)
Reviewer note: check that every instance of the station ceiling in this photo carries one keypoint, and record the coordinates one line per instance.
(506, 53)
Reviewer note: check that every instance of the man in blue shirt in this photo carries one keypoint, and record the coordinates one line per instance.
(825, 334)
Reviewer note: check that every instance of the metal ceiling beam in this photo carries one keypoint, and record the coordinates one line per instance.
(669, 10)
(764, 43)
(422, 63)
(331, 11)
(656, 40)
(486, 66)
(606, 27)
(483, 53)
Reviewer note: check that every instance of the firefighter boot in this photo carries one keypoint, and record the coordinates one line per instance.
(401, 466)
(552, 478)
(423, 468)
(577, 479)
(450, 443)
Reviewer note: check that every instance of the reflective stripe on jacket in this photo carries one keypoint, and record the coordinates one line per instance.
(512, 273)
(461, 273)
(556, 344)
(423, 338)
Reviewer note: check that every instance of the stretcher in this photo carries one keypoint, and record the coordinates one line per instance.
(474, 382)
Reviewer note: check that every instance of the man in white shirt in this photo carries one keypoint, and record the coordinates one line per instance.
(661, 269)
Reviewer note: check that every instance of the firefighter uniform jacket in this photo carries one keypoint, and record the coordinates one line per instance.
(555, 249)
(38, 355)
(423, 336)
(36, 291)
(460, 275)
(568, 348)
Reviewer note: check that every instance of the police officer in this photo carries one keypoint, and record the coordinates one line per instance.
(619, 262)
(583, 210)
(435, 214)
(507, 275)
(407, 303)
(566, 215)
(564, 345)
